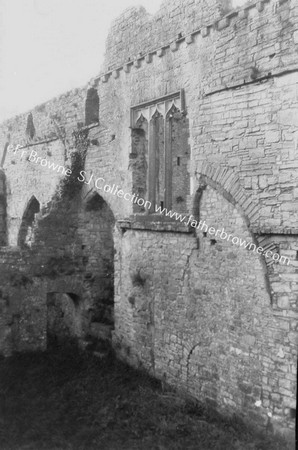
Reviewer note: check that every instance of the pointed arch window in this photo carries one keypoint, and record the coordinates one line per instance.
(92, 107)
(160, 153)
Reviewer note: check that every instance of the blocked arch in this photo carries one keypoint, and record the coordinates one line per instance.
(25, 235)
(226, 183)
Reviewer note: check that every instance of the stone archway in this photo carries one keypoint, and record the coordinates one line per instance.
(228, 310)
(96, 223)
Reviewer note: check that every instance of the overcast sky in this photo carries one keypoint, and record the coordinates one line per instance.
(48, 47)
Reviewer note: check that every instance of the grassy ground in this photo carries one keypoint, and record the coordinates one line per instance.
(64, 400)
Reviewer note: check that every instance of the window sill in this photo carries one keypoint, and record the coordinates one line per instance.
(154, 222)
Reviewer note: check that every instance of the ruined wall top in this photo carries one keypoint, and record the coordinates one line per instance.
(137, 32)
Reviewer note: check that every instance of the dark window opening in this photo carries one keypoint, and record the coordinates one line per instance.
(204, 234)
(92, 107)
(178, 160)
(213, 241)
(30, 129)
(296, 255)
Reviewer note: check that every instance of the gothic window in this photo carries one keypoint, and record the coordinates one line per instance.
(160, 154)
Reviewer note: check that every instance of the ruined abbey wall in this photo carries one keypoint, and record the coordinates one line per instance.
(219, 88)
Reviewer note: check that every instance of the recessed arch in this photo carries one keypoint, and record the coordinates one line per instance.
(246, 207)
(96, 224)
(26, 233)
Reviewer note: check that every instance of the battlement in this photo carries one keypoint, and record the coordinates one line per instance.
(255, 26)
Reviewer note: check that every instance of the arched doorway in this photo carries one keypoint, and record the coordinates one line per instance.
(26, 233)
(96, 223)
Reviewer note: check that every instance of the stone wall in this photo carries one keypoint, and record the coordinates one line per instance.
(217, 321)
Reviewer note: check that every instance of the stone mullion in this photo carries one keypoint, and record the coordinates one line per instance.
(168, 163)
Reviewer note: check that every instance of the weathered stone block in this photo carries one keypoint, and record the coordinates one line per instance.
(243, 13)
(272, 136)
(189, 39)
(174, 46)
(205, 31)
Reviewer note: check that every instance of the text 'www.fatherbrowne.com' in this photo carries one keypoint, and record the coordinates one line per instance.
(222, 234)
(99, 184)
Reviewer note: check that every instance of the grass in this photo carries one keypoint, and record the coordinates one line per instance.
(66, 400)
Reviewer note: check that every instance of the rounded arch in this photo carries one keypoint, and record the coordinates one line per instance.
(26, 232)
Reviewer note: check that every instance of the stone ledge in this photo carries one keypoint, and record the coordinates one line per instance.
(154, 222)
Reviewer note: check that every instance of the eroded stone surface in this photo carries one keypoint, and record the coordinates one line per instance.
(211, 318)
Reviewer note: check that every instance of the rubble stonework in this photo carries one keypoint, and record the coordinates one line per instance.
(216, 321)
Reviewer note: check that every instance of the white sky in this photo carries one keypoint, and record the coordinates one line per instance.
(48, 47)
